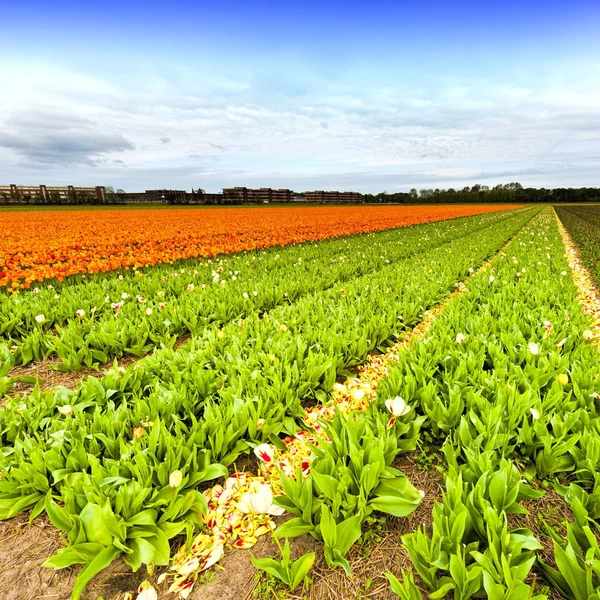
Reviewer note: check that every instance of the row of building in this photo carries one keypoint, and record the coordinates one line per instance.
(333, 197)
(243, 195)
(46, 194)
(42, 194)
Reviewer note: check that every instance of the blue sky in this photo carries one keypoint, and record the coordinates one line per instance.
(366, 96)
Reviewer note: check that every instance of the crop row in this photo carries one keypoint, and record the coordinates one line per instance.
(37, 246)
(88, 322)
(507, 383)
(583, 224)
(106, 451)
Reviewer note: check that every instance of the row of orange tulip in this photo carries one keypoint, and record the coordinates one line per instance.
(37, 246)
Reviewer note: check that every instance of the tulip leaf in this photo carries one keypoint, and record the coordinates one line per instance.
(99, 563)
(294, 528)
(300, 569)
(58, 515)
(92, 519)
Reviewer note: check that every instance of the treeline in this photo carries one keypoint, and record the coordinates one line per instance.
(503, 193)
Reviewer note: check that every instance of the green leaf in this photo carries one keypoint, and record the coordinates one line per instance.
(28, 379)
(162, 548)
(102, 560)
(392, 505)
(146, 517)
(287, 503)
(348, 531)
(301, 567)
(294, 528)
(57, 514)
(326, 483)
(37, 509)
(271, 566)
(74, 555)
(142, 552)
(497, 489)
(440, 594)
(574, 575)
(394, 584)
(93, 523)
(10, 507)
(328, 527)
(334, 558)
(172, 529)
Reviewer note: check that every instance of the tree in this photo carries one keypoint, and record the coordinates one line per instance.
(109, 189)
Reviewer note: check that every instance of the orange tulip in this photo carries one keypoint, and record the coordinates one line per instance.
(42, 245)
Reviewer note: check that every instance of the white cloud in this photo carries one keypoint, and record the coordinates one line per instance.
(300, 132)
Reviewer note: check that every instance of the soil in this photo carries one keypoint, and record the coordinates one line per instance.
(25, 546)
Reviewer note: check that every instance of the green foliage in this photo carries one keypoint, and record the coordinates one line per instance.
(291, 573)
(577, 556)
(583, 222)
(228, 288)
(74, 454)
(268, 587)
(350, 478)
(406, 589)
(493, 398)
(471, 547)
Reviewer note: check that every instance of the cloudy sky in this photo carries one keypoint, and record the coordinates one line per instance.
(366, 96)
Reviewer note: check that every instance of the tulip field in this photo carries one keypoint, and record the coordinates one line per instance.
(106, 240)
(244, 375)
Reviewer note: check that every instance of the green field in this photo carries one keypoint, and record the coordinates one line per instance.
(421, 402)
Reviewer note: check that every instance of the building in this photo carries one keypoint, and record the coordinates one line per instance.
(236, 195)
(281, 196)
(42, 194)
(243, 195)
(45, 194)
(333, 197)
(165, 197)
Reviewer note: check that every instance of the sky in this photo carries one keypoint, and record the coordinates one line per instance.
(362, 96)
